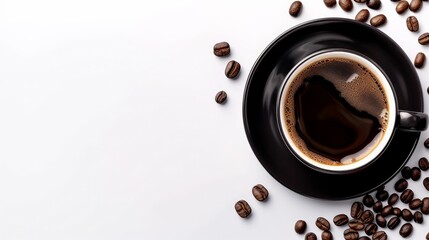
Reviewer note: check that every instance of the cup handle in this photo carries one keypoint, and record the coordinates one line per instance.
(413, 121)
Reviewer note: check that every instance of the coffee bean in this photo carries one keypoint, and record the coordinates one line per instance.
(407, 215)
(427, 236)
(323, 224)
(396, 211)
(300, 226)
(419, 61)
(407, 196)
(406, 230)
(362, 15)
(220, 97)
(393, 199)
(382, 195)
(406, 171)
(341, 219)
(415, 173)
(415, 204)
(360, 1)
(330, 3)
(260, 192)
(243, 209)
(401, 184)
(295, 8)
(402, 6)
(371, 229)
(386, 211)
(424, 40)
(378, 20)
(380, 220)
(393, 222)
(364, 238)
(310, 236)
(412, 24)
(221, 49)
(423, 162)
(425, 205)
(356, 224)
(346, 5)
(418, 217)
(374, 4)
(327, 235)
(232, 69)
(350, 234)
(381, 235)
(368, 200)
(415, 5)
(378, 206)
(356, 210)
(367, 216)
(426, 183)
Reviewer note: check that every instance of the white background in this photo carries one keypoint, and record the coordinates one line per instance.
(109, 129)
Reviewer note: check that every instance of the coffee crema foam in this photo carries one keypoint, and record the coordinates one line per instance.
(358, 86)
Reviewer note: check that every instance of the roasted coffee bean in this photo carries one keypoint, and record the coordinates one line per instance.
(424, 40)
(367, 216)
(221, 97)
(415, 5)
(346, 5)
(327, 235)
(412, 24)
(371, 229)
(407, 215)
(396, 211)
(243, 209)
(402, 6)
(382, 195)
(232, 69)
(295, 8)
(380, 220)
(425, 205)
(381, 235)
(364, 238)
(427, 236)
(362, 15)
(423, 162)
(406, 171)
(407, 196)
(323, 224)
(221, 49)
(310, 236)
(356, 210)
(406, 230)
(341, 219)
(415, 204)
(401, 184)
(330, 3)
(260, 192)
(378, 20)
(368, 200)
(419, 62)
(426, 183)
(393, 222)
(415, 173)
(418, 217)
(378, 206)
(350, 234)
(393, 199)
(300, 226)
(360, 1)
(386, 211)
(374, 4)
(356, 224)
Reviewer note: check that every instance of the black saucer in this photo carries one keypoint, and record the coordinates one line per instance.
(263, 86)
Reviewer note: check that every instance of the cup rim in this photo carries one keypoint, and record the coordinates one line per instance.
(392, 111)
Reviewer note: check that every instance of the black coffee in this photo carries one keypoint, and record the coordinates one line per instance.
(336, 111)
